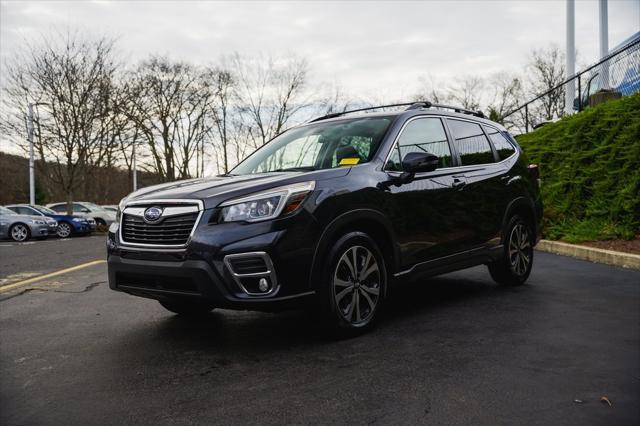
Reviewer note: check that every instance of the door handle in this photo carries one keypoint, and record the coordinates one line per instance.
(459, 182)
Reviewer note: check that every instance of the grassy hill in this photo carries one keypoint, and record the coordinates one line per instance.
(590, 170)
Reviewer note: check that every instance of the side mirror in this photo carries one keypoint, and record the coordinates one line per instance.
(417, 162)
(85, 210)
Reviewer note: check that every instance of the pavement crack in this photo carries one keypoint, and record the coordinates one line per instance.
(87, 288)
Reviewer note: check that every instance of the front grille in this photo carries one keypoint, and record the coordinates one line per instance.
(248, 265)
(174, 230)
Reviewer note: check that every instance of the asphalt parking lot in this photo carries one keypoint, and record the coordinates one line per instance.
(455, 349)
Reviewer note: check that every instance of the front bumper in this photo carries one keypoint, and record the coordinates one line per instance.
(203, 269)
(39, 230)
(190, 279)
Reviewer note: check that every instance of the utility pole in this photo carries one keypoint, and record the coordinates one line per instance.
(32, 183)
(570, 88)
(135, 171)
(604, 40)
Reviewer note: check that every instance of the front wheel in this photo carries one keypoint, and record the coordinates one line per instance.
(187, 308)
(63, 230)
(517, 258)
(355, 278)
(19, 232)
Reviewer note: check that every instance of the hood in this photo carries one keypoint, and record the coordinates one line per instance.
(212, 191)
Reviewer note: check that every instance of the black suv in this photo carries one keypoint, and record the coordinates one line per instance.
(332, 213)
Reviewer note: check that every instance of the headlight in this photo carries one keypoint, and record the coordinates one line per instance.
(120, 209)
(267, 204)
(37, 222)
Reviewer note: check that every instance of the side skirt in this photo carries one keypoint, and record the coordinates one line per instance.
(453, 262)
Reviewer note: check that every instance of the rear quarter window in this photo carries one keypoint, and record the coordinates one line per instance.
(471, 143)
(502, 145)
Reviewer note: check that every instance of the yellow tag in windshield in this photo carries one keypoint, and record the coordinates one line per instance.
(349, 161)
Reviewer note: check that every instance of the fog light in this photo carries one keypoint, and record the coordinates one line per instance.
(263, 284)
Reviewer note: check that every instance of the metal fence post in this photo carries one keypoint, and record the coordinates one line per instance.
(579, 94)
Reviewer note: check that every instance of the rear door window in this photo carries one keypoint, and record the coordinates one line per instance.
(471, 143)
(421, 135)
(500, 143)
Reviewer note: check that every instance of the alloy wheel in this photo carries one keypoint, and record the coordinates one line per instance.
(520, 249)
(19, 233)
(63, 231)
(356, 285)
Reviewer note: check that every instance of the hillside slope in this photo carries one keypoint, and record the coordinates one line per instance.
(590, 170)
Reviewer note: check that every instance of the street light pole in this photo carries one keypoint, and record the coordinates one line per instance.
(32, 184)
(570, 89)
(604, 40)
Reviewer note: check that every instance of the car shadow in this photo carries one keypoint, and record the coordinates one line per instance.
(243, 332)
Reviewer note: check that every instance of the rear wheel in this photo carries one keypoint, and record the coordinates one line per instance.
(63, 230)
(19, 232)
(355, 278)
(187, 308)
(517, 258)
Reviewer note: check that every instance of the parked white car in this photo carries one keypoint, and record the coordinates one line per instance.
(86, 209)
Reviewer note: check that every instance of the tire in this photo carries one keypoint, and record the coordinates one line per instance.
(187, 308)
(100, 222)
(19, 232)
(353, 285)
(64, 230)
(517, 258)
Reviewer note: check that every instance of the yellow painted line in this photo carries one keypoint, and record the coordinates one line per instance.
(8, 287)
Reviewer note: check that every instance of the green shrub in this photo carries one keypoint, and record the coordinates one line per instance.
(590, 169)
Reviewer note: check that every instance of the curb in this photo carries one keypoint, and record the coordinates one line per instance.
(592, 254)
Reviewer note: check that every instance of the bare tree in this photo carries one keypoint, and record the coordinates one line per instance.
(466, 92)
(69, 79)
(429, 91)
(508, 93)
(546, 71)
(169, 109)
(270, 92)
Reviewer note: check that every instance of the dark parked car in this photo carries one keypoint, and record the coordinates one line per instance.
(332, 213)
(67, 225)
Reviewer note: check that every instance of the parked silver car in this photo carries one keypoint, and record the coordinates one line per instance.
(20, 227)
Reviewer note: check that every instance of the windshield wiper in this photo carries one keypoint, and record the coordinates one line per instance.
(295, 169)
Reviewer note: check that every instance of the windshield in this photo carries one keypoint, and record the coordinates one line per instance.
(45, 210)
(319, 146)
(6, 211)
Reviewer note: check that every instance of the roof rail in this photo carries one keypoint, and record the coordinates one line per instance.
(410, 105)
(427, 104)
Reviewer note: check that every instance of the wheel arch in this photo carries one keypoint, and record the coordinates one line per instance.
(368, 221)
(523, 207)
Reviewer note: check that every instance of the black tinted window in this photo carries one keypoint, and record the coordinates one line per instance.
(471, 143)
(501, 144)
(59, 208)
(421, 135)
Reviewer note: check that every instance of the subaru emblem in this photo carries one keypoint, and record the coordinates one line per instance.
(152, 214)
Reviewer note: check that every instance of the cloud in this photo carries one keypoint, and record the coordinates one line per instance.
(368, 47)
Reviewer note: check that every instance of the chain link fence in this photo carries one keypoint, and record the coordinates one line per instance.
(616, 75)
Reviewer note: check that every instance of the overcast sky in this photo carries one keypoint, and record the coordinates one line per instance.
(371, 48)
